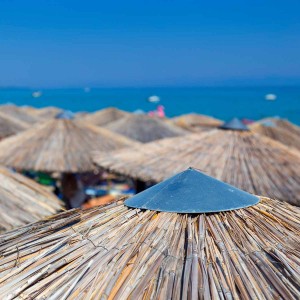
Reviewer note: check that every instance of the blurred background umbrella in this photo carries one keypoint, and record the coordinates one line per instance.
(279, 130)
(10, 126)
(144, 128)
(195, 122)
(60, 145)
(23, 201)
(19, 113)
(104, 116)
(242, 158)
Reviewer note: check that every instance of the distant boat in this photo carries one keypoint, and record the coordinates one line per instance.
(87, 89)
(37, 94)
(153, 99)
(270, 97)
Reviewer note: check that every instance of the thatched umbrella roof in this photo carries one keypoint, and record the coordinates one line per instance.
(23, 201)
(118, 252)
(144, 128)
(247, 160)
(281, 123)
(195, 122)
(28, 109)
(10, 126)
(58, 145)
(18, 113)
(48, 113)
(285, 136)
(280, 130)
(105, 116)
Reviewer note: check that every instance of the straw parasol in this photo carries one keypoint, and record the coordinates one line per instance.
(144, 128)
(10, 126)
(19, 114)
(282, 123)
(59, 145)
(247, 247)
(23, 201)
(279, 130)
(278, 134)
(195, 122)
(47, 113)
(247, 160)
(105, 116)
(28, 109)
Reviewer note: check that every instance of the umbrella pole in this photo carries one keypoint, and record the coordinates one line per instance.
(140, 186)
(68, 188)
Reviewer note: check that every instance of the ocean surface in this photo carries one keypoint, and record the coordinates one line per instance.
(223, 103)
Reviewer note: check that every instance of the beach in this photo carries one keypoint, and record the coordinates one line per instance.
(149, 150)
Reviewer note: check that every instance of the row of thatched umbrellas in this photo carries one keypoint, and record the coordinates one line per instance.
(139, 249)
(14, 119)
(240, 157)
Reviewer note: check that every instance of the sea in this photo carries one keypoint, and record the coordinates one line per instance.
(221, 102)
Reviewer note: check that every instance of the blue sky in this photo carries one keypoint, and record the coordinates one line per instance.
(149, 43)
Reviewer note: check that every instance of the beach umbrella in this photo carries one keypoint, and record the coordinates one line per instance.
(282, 123)
(284, 132)
(242, 158)
(47, 113)
(10, 126)
(144, 128)
(23, 201)
(195, 122)
(59, 145)
(189, 237)
(28, 109)
(104, 116)
(19, 113)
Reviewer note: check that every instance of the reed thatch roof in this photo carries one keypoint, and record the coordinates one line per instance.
(23, 201)
(247, 160)
(285, 136)
(105, 116)
(58, 145)
(144, 128)
(195, 122)
(117, 252)
(18, 113)
(10, 126)
(47, 113)
(28, 109)
(282, 123)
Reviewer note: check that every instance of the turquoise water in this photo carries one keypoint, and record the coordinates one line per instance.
(223, 103)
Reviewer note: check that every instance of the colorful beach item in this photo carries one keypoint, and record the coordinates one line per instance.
(119, 252)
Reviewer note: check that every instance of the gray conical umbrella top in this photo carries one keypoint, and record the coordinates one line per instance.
(235, 124)
(192, 192)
